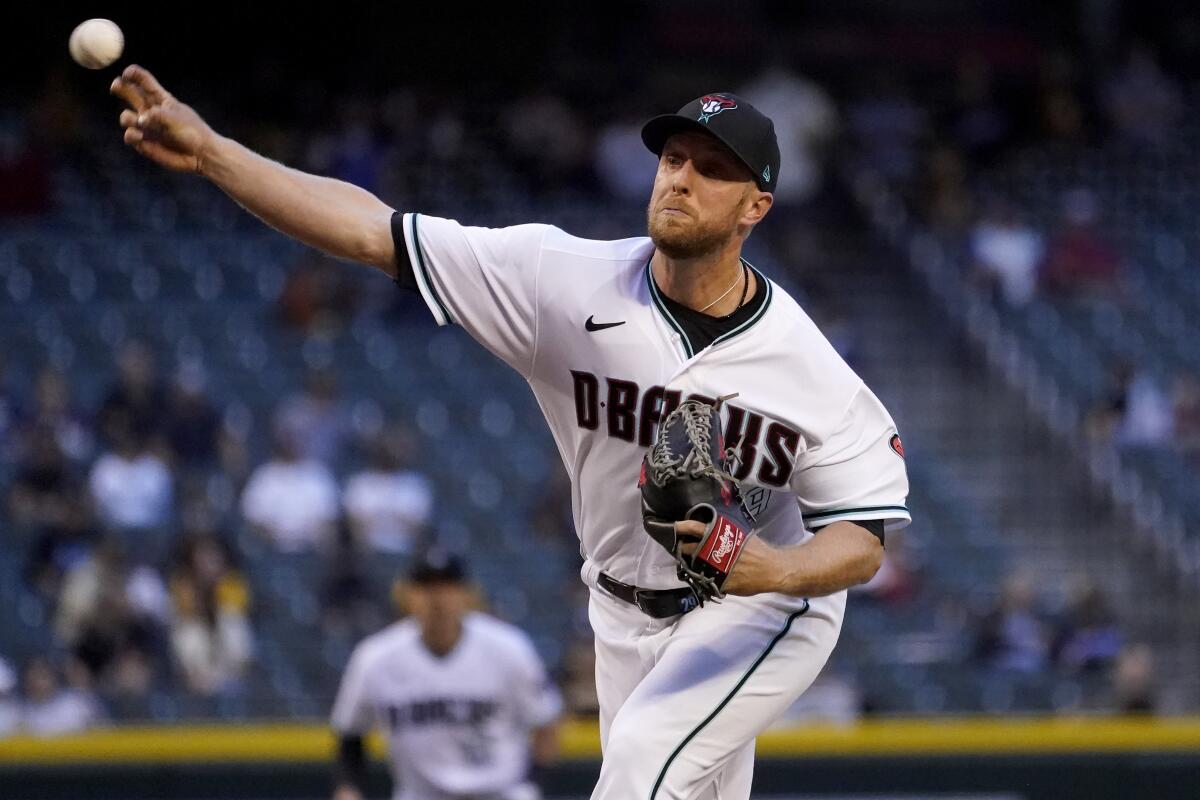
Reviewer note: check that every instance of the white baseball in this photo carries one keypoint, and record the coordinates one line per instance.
(96, 43)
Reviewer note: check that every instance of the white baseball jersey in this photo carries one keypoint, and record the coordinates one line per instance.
(585, 324)
(457, 725)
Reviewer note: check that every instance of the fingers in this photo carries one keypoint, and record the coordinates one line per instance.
(145, 82)
(150, 120)
(131, 94)
(140, 123)
(161, 155)
(690, 527)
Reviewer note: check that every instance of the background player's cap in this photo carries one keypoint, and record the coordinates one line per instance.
(741, 127)
(438, 566)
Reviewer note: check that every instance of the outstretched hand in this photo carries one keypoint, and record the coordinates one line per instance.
(158, 126)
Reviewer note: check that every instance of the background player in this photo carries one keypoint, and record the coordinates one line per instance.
(462, 697)
(610, 336)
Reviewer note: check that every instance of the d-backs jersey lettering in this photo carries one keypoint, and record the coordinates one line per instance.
(585, 324)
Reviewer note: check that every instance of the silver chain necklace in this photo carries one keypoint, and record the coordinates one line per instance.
(727, 291)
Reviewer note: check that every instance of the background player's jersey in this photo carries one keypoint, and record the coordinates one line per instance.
(457, 724)
(584, 323)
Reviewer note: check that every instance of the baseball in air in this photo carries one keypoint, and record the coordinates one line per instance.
(96, 43)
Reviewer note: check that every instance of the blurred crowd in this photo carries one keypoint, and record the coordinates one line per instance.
(1030, 630)
(129, 514)
(952, 157)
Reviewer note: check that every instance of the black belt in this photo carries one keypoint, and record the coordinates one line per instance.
(657, 603)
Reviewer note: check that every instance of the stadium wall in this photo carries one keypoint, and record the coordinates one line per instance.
(996, 759)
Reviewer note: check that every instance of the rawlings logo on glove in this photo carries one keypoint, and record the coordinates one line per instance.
(685, 475)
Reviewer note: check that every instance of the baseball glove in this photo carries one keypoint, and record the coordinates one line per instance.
(686, 476)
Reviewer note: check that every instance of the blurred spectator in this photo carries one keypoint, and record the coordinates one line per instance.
(1105, 417)
(292, 501)
(389, 504)
(1080, 261)
(1142, 103)
(315, 419)
(896, 581)
(547, 141)
(317, 295)
(1148, 418)
(832, 697)
(24, 171)
(1006, 253)
(1014, 634)
(49, 709)
(53, 410)
(979, 123)
(10, 709)
(623, 164)
(806, 121)
(131, 485)
(61, 547)
(1134, 681)
(59, 118)
(1059, 106)
(579, 682)
(349, 605)
(1185, 398)
(352, 153)
(43, 487)
(946, 198)
(191, 423)
(110, 616)
(886, 125)
(1135, 410)
(10, 409)
(210, 635)
(137, 402)
(839, 328)
(1089, 638)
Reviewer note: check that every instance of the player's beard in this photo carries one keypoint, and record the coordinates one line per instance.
(687, 242)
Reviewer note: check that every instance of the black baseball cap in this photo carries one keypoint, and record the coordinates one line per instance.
(733, 122)
(438, 566)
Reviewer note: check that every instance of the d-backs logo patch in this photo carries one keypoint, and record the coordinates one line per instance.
(713, 104)
(896, 445)
(755, 499)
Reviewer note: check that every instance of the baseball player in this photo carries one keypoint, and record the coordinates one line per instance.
(612, 337)
(462, 697)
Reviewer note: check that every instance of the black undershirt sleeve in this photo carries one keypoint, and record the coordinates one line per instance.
(351, 761)
(404, 271)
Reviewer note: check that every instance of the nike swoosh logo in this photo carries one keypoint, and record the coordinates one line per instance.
(599, 326)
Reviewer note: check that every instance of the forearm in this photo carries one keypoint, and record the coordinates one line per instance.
(543, 744)
(839, 556)
(331, 215)
(350, 765)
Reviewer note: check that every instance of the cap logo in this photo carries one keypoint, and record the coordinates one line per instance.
(713, 104)
(767, 173)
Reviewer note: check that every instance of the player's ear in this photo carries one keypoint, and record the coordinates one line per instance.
(476, 601)
(757, 206)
